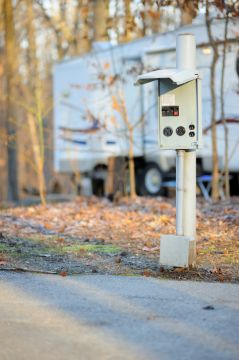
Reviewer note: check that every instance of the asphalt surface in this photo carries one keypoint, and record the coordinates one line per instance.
(107, 317)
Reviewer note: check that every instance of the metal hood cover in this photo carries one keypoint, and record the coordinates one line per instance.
(177, 76)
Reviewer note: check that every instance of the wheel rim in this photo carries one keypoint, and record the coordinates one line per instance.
(153, 181)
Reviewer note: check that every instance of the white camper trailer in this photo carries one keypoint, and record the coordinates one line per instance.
(97, 106)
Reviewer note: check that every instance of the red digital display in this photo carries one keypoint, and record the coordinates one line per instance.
(170, 110)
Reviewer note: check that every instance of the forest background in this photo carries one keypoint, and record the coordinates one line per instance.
(36, 34)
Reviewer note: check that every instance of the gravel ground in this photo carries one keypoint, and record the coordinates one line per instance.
(92, 235)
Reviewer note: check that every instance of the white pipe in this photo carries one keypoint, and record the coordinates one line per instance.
(189, 205)
(179, 191)
(186, 60)
(186, 52)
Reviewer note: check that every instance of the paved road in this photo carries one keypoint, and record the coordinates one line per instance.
(105, 317)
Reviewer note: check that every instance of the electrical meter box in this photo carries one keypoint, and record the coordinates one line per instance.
(179, 108)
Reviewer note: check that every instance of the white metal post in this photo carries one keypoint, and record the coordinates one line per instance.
(189, 201)
(179, 191)
(186, 60)
(186, 52)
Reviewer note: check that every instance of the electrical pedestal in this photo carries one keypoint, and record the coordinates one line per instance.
(180, 128)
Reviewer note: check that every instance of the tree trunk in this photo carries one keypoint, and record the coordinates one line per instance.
(215, 170)
(76, 29)
(116, 177)
(84, 44)
(11, 73)
(188, 11)
(144, 20)
(226, 165)
(130, 128)
(35, 120)
(100, 14)
(57, 25)
(3, 132)
(131, 162)
(129, 23)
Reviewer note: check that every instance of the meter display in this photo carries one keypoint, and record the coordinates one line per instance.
(170, 110)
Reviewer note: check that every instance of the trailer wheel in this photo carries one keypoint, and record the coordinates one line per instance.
(150, 181)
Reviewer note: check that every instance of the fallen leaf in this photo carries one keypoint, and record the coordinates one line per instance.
(106, 66)
(118, 259)
(145, 248)
(63, 273)
(62, 229)
(165, 219)
(179, 269)
(48, 226)
(3, 260)
(148, 243)
(146, 273)
(217, 270)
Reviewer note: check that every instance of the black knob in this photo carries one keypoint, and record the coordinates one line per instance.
(192, 134)
(191, 127)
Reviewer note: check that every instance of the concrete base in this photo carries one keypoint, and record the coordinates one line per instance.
(178, 251)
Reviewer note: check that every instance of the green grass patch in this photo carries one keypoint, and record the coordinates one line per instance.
(8, 250)
(106, 249)
(129, 274)
(208, 250)
(4, 248)
(229, 260)
(42, 240)
(44, 244)
(30, 246)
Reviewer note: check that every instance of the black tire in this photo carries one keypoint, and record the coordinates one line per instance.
(98, 187)
(150, 180)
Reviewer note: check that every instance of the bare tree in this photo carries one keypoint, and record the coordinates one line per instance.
(226, 165)
(72, 25)
(215, 170)
(120, 106)
(35, 103)
(3, 124)
(188, 10)
(85, 26)
(100, 15)
(11, 74)
(129, 22)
